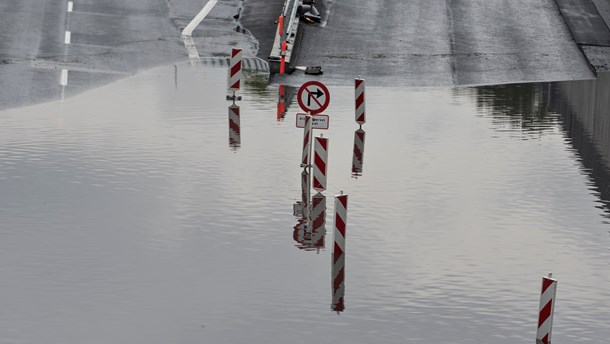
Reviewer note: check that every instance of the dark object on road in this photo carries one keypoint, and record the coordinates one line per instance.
(314, 70)
(236, 16)
(309, 13)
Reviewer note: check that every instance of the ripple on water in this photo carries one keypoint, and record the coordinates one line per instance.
(126, 208)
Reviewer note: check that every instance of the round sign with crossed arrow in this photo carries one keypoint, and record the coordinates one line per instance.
(313, 97)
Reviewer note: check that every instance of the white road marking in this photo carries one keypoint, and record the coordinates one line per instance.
(64, 77)
(68, 37)
(188, 30)
(70, 6)
(191, 48)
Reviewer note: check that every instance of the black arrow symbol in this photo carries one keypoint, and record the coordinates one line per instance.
(318, 93)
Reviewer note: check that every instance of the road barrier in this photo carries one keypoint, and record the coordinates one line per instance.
(338, 256)
(285, 37)
(360, 101)
(235, 70)
(547, 310)
(307, 132)
(320, 162)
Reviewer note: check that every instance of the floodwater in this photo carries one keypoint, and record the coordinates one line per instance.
(127, 216)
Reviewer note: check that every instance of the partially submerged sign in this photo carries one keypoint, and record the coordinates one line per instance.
(317, 121)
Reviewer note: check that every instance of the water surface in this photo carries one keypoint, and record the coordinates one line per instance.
(127, 216)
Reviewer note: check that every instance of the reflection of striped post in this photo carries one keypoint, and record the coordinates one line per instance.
(338, 260)
(281, 102)
(547, 310)
(235, 70)
(301, 234)
(320, 161)
(358, 157)
(307, 134)
(234, 127)
(283, 59)
(318, 218)
(305, 192)
(360, 103)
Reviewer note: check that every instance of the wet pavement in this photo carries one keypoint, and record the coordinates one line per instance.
(144, 219)
(108, 40)
(442, 43)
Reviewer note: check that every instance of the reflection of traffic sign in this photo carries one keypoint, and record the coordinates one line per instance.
(317, 122)
(313, 97)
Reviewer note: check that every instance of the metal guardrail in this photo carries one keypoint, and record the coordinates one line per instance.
(290, 11)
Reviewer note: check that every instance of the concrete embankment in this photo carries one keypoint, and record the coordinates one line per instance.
(589, 29)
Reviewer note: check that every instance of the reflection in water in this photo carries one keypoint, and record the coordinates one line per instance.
(310, 230)
(581, 108)
(281, 103)
(523, 107)
(358, 157)
(284, 98)
(585, 112)
(234, 127)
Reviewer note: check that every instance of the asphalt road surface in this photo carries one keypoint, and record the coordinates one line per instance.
(389, 42)
(443, 43)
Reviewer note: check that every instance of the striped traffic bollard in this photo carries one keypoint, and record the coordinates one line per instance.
(360, 102)
(547, 310)
(320, 161)
(358, 157)
(318, 221)
(338, 256)
(234, 127)
(235, 70)
(307, 135)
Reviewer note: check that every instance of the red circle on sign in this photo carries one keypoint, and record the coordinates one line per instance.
(313, 97)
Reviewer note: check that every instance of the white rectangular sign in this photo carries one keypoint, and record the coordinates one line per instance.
(317, 121)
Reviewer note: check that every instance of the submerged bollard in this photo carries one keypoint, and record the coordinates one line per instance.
(338, 256)
(547, 310)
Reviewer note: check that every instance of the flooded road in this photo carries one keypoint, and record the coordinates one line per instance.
(130, 214)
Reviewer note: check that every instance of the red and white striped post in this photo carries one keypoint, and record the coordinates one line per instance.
(358, 157)
(235, 70)
(547, 310)
(338, 256)
(234, 127)
(318, 221)
(360, 101)
(320, 161)
(307, 135)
